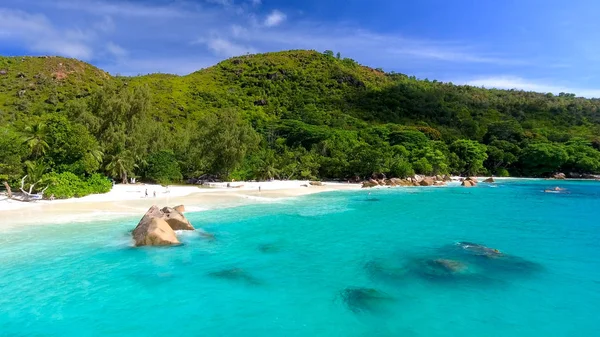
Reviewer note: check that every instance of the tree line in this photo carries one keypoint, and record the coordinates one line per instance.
(263, 117)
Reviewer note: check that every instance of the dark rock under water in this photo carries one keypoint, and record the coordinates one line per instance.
(268, 248)
(491, 260)
(360, 300)
(235, 274)
(381, 271)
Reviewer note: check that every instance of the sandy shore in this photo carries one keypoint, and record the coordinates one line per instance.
(131, 201)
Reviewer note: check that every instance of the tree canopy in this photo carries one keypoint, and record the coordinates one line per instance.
(288, 115)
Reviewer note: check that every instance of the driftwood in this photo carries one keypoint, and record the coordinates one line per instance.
(28, 196)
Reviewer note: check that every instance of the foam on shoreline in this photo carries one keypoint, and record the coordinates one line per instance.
(130, 201)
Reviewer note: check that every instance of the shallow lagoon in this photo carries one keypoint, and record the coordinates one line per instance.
(333, 264)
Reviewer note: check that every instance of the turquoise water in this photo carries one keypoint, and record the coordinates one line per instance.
(300, 267)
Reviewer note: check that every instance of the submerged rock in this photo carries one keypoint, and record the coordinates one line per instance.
(478, 249)
(383, 272)
(235, 274)
(268, 248)
(364, 299)
(442, 267)
(492, 260)
(152, 230)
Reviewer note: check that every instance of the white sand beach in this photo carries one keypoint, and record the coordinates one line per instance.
(131, 201)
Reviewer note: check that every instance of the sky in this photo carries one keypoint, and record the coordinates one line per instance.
(546, 46)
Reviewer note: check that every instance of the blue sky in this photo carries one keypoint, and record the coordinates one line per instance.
(547, 46)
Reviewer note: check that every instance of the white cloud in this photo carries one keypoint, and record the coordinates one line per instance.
(275, 18)
(238, 31)
(40, 35)
(256, 2)
(106, 25)
(513, 82)
(227, 48)
(116, 50)
(221, 2)
(121, 8)
(128, 31)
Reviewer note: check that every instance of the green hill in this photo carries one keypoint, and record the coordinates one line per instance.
(293, 114)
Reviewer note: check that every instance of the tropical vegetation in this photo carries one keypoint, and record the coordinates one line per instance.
(287, 115)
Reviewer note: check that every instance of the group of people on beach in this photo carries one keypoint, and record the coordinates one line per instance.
(146, 193)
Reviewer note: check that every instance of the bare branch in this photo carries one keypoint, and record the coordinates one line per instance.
(23, 182)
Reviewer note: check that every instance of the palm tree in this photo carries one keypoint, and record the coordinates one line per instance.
(120, 165)
(35, 138)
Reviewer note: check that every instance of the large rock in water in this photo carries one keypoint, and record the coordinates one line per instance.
(176, 220)
(560, 176)
(489, 180)
(468, 183)
(152, 230)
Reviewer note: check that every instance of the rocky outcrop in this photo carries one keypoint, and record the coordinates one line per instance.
(468, 183)
(179, 208)
(369, 183)
(559, 176)
(316, 183)
(176, 220)
(489, 180)
(153, 230)
(158, 226)
(415, 180)
(427, 181)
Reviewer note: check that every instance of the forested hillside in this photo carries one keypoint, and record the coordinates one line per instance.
(288, 115)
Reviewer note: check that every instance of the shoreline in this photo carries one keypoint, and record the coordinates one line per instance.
(125, 201)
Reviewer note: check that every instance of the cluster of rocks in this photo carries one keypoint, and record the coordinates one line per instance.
(472, 182)
(158, 226)
(415, 180)
(574, 175)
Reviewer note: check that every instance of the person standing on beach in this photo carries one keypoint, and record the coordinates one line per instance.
(146, 193)
(155, 193)
(259, 188)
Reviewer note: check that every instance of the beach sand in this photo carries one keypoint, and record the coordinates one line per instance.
(125, 201)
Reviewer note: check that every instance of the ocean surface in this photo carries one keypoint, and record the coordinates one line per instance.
(333, 264)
